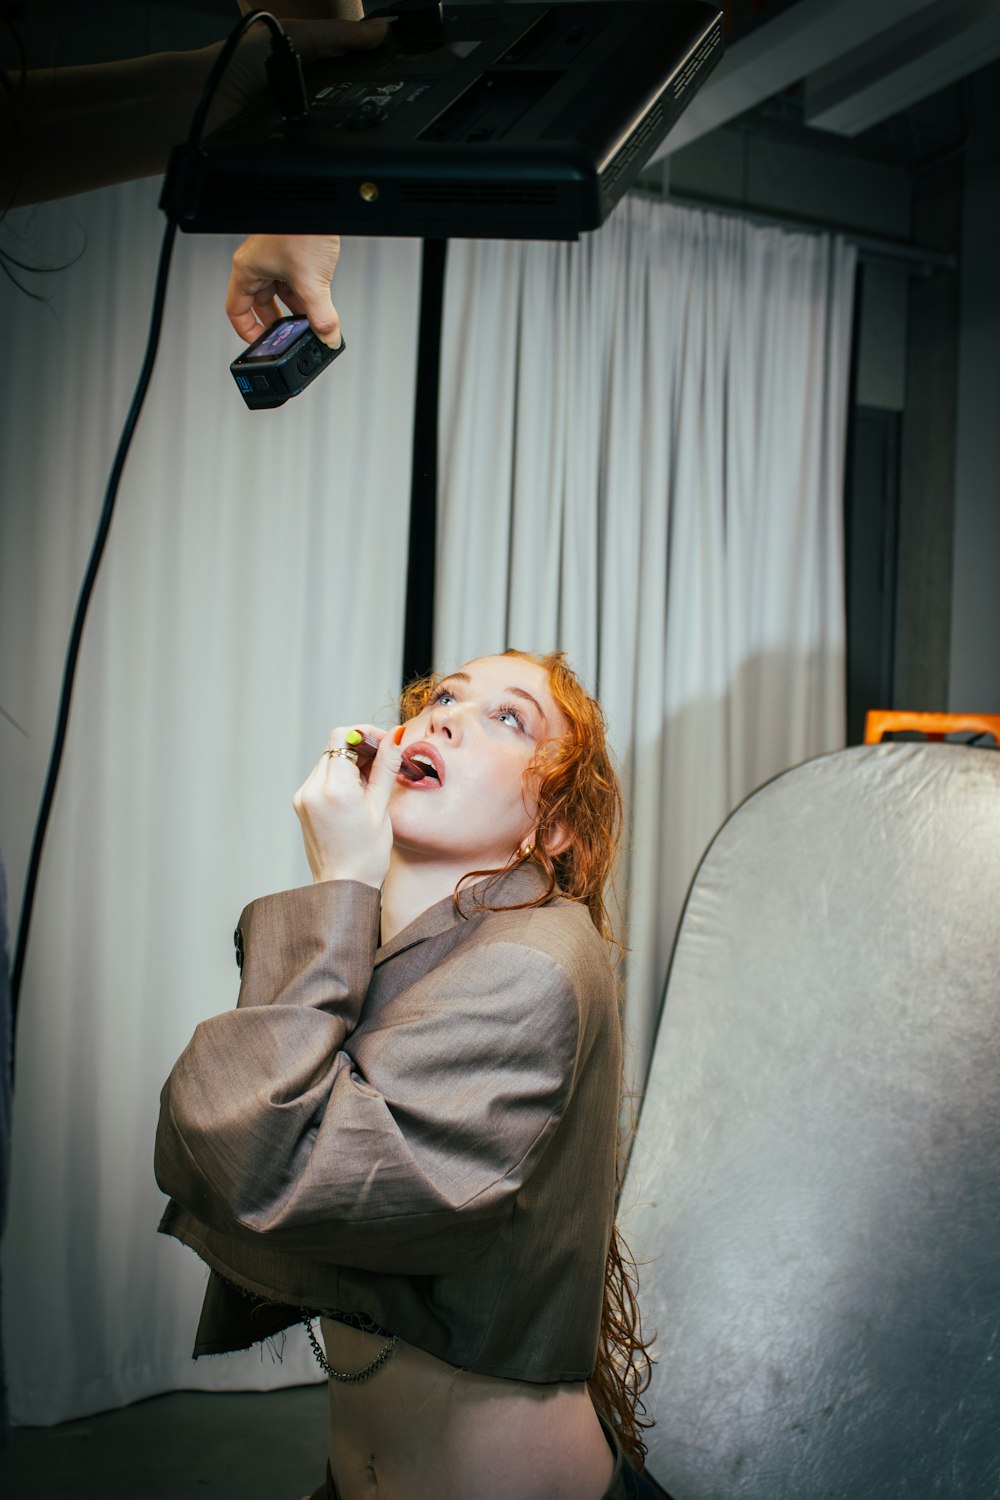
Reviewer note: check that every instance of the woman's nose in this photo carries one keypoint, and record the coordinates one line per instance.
(446, 720)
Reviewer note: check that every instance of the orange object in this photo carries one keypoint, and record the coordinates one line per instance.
(880, 721)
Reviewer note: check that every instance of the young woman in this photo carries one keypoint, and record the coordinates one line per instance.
(408, 1125)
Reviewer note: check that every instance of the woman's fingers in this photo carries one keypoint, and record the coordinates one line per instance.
(339, 766)
(250, 297)
(345, 814)
(314, 303)
(384, 770)
(346, 738)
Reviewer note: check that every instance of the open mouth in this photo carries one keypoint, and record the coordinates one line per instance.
(427, 766)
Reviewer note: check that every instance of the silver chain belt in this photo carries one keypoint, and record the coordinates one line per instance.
(354, 1377)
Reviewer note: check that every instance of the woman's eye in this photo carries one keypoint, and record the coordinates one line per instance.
(512, 715)
(442, 695)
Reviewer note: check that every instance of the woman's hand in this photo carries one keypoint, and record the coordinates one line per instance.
(298, 268)
(344, 812)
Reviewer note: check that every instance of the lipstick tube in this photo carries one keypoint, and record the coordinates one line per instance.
(364, 748)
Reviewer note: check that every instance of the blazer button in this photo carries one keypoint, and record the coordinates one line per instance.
(238, 943)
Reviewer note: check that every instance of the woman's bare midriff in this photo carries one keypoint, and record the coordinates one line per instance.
(419, 1429)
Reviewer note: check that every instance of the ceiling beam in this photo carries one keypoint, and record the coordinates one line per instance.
(905, 64)
(797, 42)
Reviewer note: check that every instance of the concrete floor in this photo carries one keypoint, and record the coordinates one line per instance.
(188, 1445)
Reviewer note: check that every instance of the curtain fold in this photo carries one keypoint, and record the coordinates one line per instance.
(643, 439)
(250, 598)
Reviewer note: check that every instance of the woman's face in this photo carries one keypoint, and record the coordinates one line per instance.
(478, 734)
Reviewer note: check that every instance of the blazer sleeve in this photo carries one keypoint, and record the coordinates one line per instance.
(398, 1150)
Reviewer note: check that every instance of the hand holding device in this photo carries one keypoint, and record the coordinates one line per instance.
(281, 363)
(298, 269)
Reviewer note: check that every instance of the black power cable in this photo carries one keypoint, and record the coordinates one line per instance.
(285, 77)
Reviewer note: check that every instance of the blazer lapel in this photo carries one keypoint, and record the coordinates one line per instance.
(509, 889)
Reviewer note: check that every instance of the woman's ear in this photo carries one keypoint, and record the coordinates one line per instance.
(557, 840)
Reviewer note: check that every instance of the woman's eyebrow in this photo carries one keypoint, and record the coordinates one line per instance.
(520, 693)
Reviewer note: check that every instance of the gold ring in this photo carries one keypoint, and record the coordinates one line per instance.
(351, 755)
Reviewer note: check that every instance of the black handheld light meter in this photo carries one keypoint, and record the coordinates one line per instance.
(281, 363)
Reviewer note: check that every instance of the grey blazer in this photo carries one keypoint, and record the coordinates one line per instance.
(424, 1132)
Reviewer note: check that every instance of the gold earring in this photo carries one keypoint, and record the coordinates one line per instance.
(525, 851)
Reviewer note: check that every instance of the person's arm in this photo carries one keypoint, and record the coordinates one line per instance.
(400, 1148)
(67, 130)
(72, 129)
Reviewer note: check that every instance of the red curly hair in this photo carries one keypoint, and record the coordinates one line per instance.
(578, 794)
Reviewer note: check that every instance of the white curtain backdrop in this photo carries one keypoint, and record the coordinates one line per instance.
(642, 455)
(643, 448)
(251, 597)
